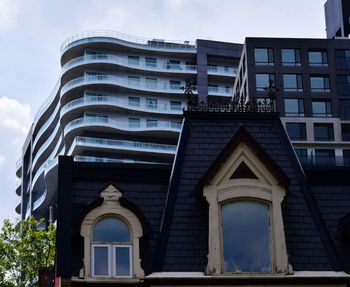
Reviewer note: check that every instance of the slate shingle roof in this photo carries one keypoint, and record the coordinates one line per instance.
(204, 136)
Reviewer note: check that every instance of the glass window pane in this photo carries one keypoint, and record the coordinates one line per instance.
(315, 57)
(122, 261)
(133, 81)
(101, 261)
(175, 105)
(294, 107)
(151, 62)
(246, 237)
(290, 82)
(151, 83)
(288, 56)
(111, 230)
(133, 60)
(296, 131)
(262, 81)
(134, 123)
(134, 101)
(261, 55)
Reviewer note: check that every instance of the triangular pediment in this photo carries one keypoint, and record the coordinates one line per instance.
(244, 158)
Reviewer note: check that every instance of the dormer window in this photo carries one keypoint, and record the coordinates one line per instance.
(111, 235)
(245, 189)
(111, 248)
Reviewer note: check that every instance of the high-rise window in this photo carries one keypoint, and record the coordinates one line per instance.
(318, 58)
(292, 83)
(344, 106)
(175, 85)
(212, 68)
(213, 88)
(133, 81)
(342, 59)
(345, 132)
(324, 157)
(134, 123)
(296, 131)
(302, 155)
(343, 85)
(151, 62)
(151, 123)
(321, 109)
(291, 57)
(175, 105)
(263, 56)
(262, 81)
(319, 83)
(151, 83)
(323, 132)
(294, 107)
(133, 60)
(174, 64)
(134, 101)
(151, 103)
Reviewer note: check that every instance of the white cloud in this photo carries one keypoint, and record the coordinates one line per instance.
(2, 160)
(10, 12)
(14, 115)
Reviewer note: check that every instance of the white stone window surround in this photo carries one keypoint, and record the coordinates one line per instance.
(266, 189)
(111, 207)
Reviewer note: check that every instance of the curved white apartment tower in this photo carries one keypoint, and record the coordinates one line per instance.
(118, 99)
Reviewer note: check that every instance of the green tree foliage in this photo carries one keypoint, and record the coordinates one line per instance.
(23, 249)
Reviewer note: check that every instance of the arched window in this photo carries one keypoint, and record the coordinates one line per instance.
(246, 237)
(111, 248)
(111, 235)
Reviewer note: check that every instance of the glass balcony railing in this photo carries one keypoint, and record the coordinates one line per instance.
(114, 80)
(121, 125)
(90, 36)
(126, 144)
(47, 123)
(222, 70)
(45, 145)
(46, 103)
(40, 200)
(222, 91)
(112, 160)
(319, 160)
(125, 62)
(113, 101)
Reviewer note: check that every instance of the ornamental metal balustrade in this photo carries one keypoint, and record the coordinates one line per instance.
(126, 144)
(124, 61)
(263, 106)
(114, 80)
(147, 42)
(122, 125)
(113, 101)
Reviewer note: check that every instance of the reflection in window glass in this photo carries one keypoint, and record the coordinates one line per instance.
(263, 56)
(319, 83)
(262, 81)
(111, 230)
(122, 264)
(291, 57)
(294, 107)
(246, 237)
(101, 261)
(318, 58)
(321, 109)
(292, 83)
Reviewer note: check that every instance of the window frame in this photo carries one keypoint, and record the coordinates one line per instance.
(265, 188)
(297, 57)
(111, 207)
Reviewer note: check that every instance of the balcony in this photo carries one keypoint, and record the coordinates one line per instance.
(18, 187)
(343, 89)
(219, 91)
(222, 71)
(324, 161)
(127, 40)
(123, 61)
(123, 144)
(19, 168)
(166, 126)
(121, 82)
(113, 160)
(40, 200)
(122, 103)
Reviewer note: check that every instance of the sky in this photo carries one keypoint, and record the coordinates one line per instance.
(32, 31)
